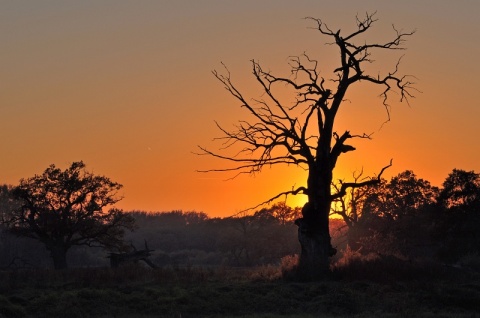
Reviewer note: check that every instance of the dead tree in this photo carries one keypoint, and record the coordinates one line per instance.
(118, 259)
(350, 206)
(300, 131)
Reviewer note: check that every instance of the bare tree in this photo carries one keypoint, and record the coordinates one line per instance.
(300, 131)
(350, 206)
(133, 256)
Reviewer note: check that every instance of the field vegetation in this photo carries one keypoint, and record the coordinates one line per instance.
(405, 249)
(359, 287)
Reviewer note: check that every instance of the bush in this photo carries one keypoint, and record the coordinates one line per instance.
(289, 265)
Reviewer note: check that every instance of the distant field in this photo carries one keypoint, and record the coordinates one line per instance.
(223, 292)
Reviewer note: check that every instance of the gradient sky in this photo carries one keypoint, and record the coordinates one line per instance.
(126, 86)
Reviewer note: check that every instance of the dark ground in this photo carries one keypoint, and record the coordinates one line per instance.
(366, 290)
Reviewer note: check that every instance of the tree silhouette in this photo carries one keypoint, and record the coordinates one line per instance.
(281, 212)
(460, 188)
(390, 214)
(458, 220)
(62, 209)
(404, 195)
(300, 131)
(350, 206)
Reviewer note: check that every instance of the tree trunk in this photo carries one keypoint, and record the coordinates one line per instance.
(313, 227)
(316, 248)
(314, 262)
(59, 256)
(353, 237)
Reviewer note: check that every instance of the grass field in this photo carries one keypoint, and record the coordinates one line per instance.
(359, 290)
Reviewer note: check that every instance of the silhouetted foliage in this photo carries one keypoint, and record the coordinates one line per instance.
(400, 220)
(407, 217)
(457, 227)
(392, 218)
(404, 195)
(65, 208)
(236, 241)
(281, 212)
(461, 190)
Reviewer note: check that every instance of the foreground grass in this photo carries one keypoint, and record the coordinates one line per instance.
(140, 292)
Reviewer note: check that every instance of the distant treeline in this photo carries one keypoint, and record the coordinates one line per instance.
(406, 218)
(180, 239)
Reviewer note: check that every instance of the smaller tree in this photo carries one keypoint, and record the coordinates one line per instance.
(389, 216)
(458, 220)
(62, 209)
(404, 195)
(460, 189)
(281, 212)
(350, 206)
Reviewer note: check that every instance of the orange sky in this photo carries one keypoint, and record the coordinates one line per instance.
(126, 86)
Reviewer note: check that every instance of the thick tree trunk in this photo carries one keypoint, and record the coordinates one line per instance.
(59, 256)
(314, 258)
(316, 248)
(313, 228)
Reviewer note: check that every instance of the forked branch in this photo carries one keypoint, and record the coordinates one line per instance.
(345, 185)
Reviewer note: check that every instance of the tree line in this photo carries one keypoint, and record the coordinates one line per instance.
(71, 210)
(409, 218)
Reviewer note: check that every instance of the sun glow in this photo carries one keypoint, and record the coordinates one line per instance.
(143, 57)
(298, 200)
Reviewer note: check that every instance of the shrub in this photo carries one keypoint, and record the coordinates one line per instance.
(288, 266)
(266, 273)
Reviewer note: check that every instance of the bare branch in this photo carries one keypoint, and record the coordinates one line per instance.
(293, 122)
(345, 185)
(296, 191)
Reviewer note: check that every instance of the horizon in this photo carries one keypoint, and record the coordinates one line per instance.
(127, 88)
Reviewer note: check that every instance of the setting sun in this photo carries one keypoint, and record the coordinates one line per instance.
(298, 200)
(130, 92)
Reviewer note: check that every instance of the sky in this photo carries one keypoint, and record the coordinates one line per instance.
(127, 87)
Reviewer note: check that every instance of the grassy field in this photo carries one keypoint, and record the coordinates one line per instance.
(372, 289)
